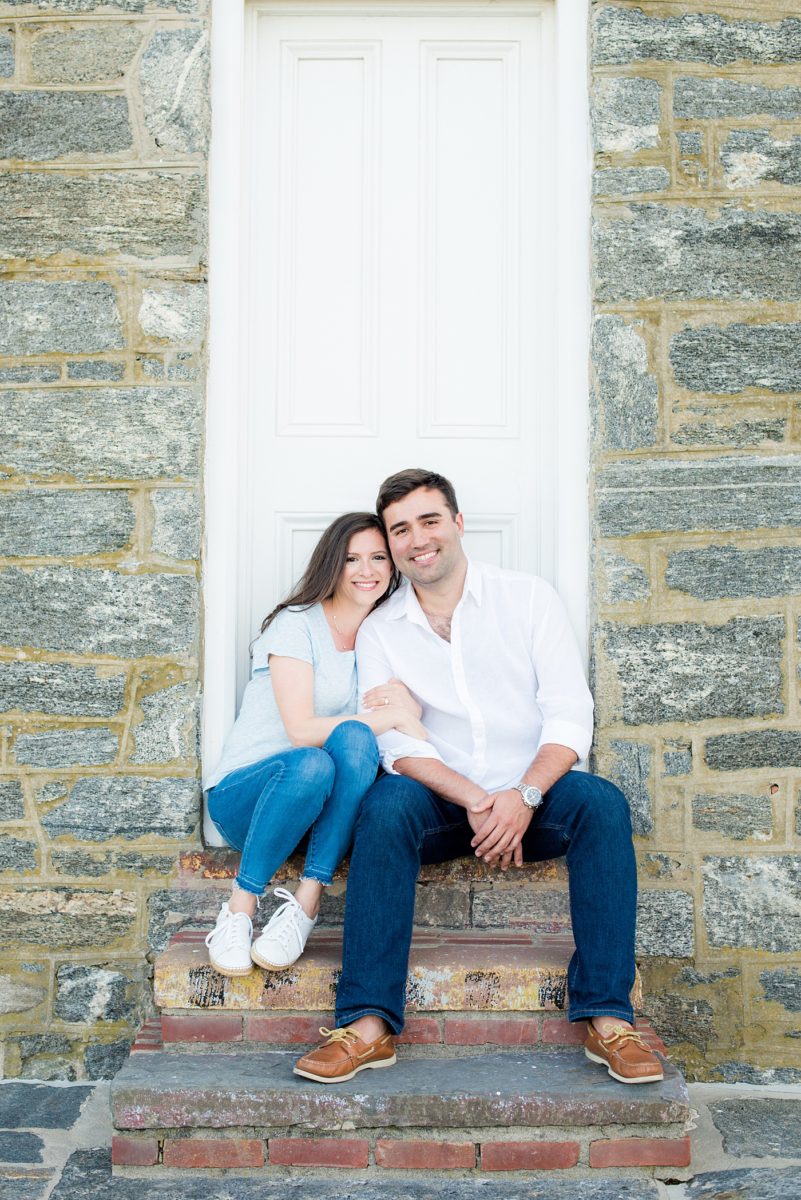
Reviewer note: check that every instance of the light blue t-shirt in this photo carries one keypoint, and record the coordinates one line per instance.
(259, 731)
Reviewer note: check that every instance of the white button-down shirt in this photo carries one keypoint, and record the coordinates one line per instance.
(510, 680)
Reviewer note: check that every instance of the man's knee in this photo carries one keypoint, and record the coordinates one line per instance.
(392, 805)
(600, 802)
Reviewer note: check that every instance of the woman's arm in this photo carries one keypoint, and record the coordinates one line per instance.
(293, 688)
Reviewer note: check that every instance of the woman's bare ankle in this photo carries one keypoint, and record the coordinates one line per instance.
(242, 901)
(308, 894)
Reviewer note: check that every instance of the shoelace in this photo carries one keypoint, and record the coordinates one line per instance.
(621, 1037)
(287, 928)
(339, 1035)
(231, 931)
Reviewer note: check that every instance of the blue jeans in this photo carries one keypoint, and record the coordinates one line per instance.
(265, 809)
(403, 824)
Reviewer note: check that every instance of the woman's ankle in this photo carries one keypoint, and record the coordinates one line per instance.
(308, 894)
(242, 901)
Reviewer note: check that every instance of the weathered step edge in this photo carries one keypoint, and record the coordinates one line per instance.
(469, 971)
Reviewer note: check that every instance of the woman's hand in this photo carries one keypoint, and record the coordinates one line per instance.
(406, 722)
(392, 692)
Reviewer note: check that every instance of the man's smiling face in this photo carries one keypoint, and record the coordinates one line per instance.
(425, 538)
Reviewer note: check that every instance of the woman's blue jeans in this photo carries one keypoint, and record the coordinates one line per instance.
(265, 809)
(402, 825)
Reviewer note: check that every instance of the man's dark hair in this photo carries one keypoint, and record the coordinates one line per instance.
(403, 482)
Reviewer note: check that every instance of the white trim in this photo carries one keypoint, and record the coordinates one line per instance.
(226, 402)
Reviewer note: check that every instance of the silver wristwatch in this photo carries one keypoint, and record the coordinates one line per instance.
(532, 796)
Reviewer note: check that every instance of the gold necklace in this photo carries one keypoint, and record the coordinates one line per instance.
(339, 631)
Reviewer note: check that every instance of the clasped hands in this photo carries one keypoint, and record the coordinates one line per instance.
(498, 822)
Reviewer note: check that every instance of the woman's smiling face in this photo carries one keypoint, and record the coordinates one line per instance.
(367, 571)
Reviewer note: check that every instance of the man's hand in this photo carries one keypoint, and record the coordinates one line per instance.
(500, 835)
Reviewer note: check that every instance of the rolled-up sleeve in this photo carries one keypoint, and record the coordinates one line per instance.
(562, 693)
(373, 668)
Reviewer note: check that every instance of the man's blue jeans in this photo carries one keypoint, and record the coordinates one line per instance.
(265, 809)
(402, 825)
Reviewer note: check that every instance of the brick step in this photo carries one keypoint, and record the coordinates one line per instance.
(496, 1112)
(458, 1033)
(488, 972)
(460, 894)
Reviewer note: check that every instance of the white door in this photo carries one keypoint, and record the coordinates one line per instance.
(401, 290)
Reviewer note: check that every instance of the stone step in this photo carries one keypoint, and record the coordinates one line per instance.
(461, 894)
(495, 1112)
(489, 972)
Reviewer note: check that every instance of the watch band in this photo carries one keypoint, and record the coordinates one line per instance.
(530, 795)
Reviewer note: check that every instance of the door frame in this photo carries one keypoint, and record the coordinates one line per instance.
(226, 404)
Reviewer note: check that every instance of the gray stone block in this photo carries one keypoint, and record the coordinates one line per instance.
(16, 997)
(96, 370)
(6, 56)
(174, 312)
(173, 81)
(752, 750)
(681, 1020)
(12, 802)
(102, 1060)
(625, 35)
(173, 909)
(740, 1072)
(126, 806)
(169, 729)
(135, 214)
(102, 433)
(760, 1183)
(690, 141)
(754, 156)
(17, 854)
(73, 317)
(665, 924)
(84, 611)
(85, 994)
(726, 572)
(39, 126)
(693, 672)
(176, 523)
(706, 98)
(665, 495)
(59, 917)
(631, 771)
(86, 54)
(34, 1106)
(625, 114)
(509, 905)
(20, 1148)
(76, 863)
(721, 426)
(628, 181)
(758, 1128)
(625, 580)
(625, 392)
(733, 358)
(677, 758)
(782, 986)
(753, 902)
(61, 523)
(66, 748)
(738, 817)
(734, 255)
(59, 689)
(36, 373)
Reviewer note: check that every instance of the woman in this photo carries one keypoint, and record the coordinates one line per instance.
(295, 761)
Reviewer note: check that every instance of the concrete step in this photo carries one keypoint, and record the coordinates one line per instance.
(458, 972)
(552, 1111)
(462, 894)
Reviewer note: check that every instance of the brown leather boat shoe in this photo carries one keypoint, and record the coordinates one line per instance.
(625, 1055)
(344, 1054)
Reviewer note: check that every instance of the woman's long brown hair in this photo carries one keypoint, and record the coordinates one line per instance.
(320, 578)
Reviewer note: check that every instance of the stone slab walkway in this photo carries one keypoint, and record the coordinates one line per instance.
(55, 1139)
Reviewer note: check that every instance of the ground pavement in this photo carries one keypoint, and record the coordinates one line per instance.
(55, 1139)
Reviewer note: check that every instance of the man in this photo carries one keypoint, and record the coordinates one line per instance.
(491, 657)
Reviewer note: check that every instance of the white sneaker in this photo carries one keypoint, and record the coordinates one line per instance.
(284, 937)
(229, 943)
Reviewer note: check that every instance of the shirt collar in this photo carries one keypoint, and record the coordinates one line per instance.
(409, 606)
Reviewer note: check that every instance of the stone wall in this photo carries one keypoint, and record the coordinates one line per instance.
(696, 504)
(103, 134)
(696, 499)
